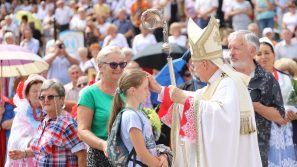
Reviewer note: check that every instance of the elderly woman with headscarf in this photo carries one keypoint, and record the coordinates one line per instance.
(56, 142)
(27, 119)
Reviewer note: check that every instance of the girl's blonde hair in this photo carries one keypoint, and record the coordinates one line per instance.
(173, 26)
(130, 78)
(286, 64)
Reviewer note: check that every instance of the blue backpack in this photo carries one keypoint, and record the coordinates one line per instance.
(118, 154)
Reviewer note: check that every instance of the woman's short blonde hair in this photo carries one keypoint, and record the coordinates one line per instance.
(128, 52)
(82, 50)
(173, 26)
(105, 51)
(8, 35)
(112, 27)
(286, 64)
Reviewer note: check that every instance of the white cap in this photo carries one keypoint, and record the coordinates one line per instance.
(30, 79)
(266, 30)
(266, 40)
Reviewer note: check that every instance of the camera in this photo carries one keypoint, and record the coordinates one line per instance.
(255, 94)
(61, 46)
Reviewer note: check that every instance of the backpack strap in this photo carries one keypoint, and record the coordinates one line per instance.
(134, 160)
(133, 152)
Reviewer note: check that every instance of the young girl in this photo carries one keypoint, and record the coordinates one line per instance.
(136, 130)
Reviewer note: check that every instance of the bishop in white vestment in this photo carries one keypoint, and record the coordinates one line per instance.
(214, 126)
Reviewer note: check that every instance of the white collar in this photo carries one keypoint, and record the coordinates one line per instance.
(252, 74)
(283, 42)
(214, 76)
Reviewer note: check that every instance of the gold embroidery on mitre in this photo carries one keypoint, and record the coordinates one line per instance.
(205, 44)
(216, 38)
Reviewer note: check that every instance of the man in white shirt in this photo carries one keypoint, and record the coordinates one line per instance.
(63, 15)
(142, 40)
(42, 11)
(114, 38)
(10, 26)
(59, 60)
(71, 89)
(29, 42)
(79, 22)
(204, 10)
(286, 48)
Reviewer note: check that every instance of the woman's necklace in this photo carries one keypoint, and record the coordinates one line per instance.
(37, 118)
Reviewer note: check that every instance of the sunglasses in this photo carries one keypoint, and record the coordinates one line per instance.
(82, 85)
(115, 65)
(49, 97)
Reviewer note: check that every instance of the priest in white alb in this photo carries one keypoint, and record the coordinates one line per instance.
(214, 126)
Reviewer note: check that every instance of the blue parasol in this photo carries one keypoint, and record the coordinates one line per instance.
(163, 77)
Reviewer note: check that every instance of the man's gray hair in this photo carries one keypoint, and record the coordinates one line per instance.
(250, 38)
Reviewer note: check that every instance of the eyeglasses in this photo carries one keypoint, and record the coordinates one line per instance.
(49, 97)
(82, 85)
(115, 65)
(187, 75)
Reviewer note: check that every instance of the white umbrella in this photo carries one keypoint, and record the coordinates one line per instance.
(18, 61)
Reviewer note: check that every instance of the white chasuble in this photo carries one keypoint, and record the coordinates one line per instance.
(216, 120)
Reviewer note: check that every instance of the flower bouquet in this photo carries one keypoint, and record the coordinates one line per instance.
(292, 102)
(292, 99)
(155, 121)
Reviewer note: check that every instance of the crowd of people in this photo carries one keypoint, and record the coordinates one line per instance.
(239, 90)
